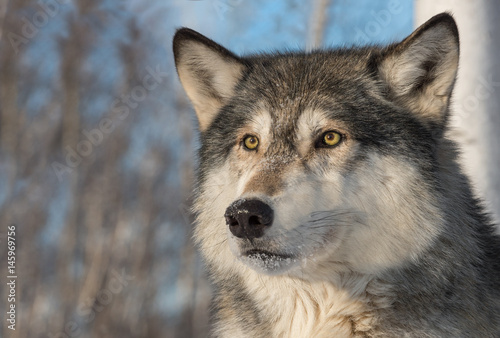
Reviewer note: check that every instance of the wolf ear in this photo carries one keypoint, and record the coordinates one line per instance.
(420, 71)
(208, 73)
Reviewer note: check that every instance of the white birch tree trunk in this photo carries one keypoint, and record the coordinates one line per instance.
(317, 23)
(476, 102)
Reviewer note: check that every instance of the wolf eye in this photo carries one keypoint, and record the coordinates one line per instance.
(251, 142)
(330, 138)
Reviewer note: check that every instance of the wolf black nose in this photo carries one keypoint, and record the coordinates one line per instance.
(249, 218)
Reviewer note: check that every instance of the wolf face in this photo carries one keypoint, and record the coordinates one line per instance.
(329, 202)
(321, 161)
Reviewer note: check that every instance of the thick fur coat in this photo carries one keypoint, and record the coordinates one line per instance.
(329, 201)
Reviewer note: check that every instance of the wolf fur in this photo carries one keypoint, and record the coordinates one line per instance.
(378, 235)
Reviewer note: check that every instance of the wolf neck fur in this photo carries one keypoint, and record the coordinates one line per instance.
(343, 306)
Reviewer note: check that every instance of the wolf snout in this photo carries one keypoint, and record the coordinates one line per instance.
(249, 218)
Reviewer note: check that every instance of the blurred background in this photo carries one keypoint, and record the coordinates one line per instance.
(97, 145)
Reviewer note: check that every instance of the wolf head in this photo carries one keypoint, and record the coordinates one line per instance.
(319, 160)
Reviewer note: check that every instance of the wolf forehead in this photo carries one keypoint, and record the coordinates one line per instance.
(290, 82)
(308, 77)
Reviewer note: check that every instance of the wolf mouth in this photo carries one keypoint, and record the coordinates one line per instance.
(268, 262)
(266, 255)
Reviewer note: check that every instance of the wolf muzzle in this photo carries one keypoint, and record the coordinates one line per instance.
(249, 218)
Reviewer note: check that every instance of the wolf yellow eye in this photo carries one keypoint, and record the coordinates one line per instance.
(331, 138)
(251, 142)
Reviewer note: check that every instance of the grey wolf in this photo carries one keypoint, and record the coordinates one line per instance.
(329, 201)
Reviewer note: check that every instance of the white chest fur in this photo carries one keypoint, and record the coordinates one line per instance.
(344, 307)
